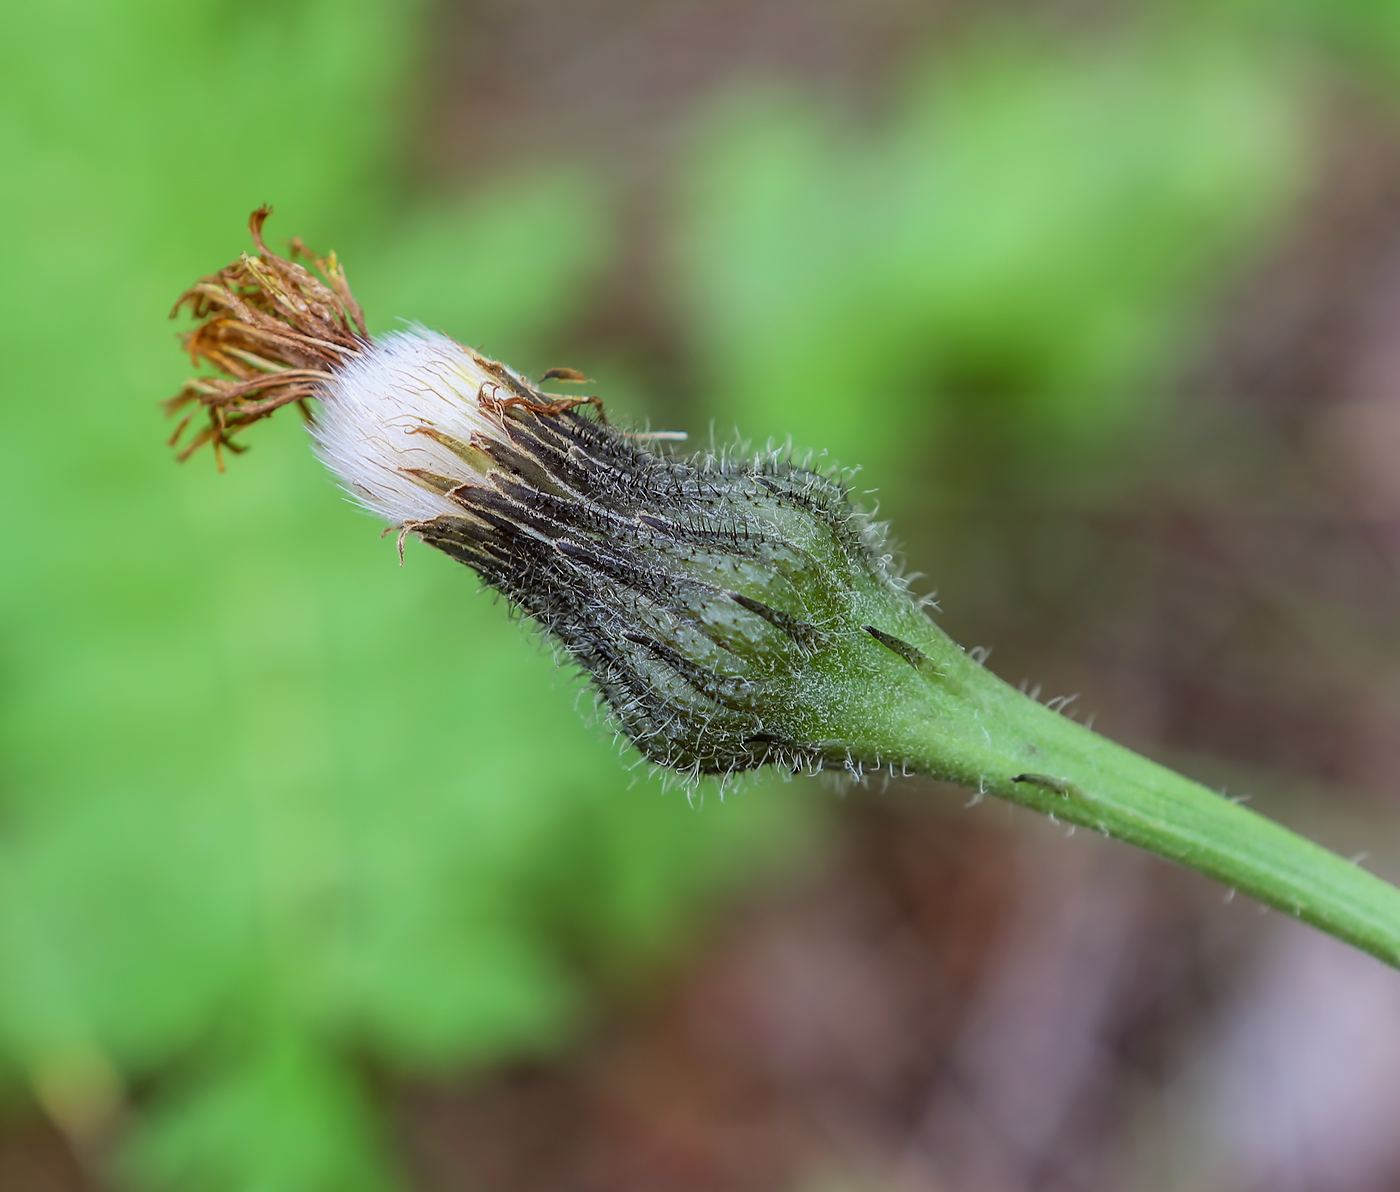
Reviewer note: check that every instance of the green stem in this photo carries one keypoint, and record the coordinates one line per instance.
(968, 726)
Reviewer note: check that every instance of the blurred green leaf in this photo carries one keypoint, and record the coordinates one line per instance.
(497, 268)
(284, 1119)
(1024, 242)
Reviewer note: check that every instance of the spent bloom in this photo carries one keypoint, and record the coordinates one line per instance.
(724, 609)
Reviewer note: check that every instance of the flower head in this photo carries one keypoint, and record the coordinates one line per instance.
(719, 606)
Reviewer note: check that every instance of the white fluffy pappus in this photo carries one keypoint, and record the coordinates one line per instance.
(370, 428)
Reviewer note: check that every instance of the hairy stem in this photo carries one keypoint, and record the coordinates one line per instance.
(962, 723)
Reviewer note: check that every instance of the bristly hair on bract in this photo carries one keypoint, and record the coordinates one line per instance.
(720, 605)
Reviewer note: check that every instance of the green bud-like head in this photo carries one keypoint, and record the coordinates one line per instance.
(721, 607)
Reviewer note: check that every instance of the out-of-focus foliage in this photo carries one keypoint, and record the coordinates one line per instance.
(1363, 34)
(504, 263)
(1024, 244)
(273, 807)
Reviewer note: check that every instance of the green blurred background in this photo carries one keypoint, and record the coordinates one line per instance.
(289, 834)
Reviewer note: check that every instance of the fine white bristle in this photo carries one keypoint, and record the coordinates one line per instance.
(369, 429)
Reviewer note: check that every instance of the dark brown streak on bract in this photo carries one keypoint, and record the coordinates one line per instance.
(911, 654)
(273, 328)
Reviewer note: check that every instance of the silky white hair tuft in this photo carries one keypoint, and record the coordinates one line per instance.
(369, 428)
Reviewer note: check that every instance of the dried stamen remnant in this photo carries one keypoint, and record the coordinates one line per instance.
(274, 328)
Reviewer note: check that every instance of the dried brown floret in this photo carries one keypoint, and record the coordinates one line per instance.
(273, 328)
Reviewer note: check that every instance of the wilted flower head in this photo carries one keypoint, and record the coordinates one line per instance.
(723, 608)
